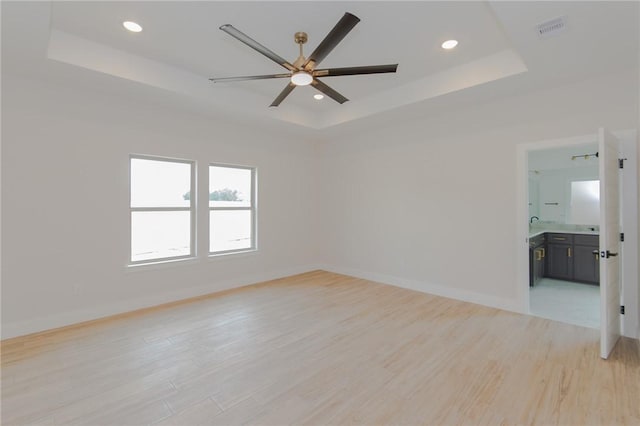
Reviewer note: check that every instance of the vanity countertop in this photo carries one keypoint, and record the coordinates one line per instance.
(536, 232)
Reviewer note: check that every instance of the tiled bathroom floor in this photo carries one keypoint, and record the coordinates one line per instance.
(565, 301)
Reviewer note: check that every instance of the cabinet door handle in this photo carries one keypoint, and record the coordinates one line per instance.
(543, 252)
(596, 254)
(568, 251)
(538, 255)
(559, 238)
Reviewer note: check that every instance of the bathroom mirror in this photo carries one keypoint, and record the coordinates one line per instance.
(564, 186)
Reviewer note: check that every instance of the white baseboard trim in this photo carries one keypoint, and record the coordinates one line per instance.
(437, 290)
(21, 328)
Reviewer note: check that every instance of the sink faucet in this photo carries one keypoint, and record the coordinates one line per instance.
(533, 217)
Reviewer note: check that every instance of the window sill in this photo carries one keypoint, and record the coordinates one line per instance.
(239, 253)
(160, 264)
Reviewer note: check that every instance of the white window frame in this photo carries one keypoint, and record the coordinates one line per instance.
(191, 209)
(251, 208)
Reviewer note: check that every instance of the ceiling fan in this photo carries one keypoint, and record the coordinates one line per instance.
(303, 71)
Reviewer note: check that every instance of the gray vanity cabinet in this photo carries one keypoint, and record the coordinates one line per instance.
(559, 257)
(586, 263)
(537, 254)
(573, 257)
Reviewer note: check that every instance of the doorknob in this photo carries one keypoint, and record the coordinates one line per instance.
(607, 254)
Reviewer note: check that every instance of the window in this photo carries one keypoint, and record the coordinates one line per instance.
(232, 209)
(162, 210)
(585, 202)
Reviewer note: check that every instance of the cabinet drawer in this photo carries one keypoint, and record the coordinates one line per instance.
(536, 241)
(586, 240)
(559, 238)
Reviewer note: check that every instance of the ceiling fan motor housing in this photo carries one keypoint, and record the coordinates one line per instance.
(300, 37)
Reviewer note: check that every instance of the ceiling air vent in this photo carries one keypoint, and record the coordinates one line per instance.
(552, 27)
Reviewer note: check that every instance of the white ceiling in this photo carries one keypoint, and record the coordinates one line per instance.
(181, 47)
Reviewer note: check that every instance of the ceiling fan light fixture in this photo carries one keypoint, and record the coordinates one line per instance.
(301, 78)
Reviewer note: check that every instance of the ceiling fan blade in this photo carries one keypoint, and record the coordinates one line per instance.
(249, 77)
(328, 91)
(371, 69)
(335, 36)
(235, 33)
(283, 95)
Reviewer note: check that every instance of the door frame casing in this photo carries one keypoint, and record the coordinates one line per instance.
(629, 210)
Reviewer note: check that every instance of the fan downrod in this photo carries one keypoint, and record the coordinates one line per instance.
(301, 38)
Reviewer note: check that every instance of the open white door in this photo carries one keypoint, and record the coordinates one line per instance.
(609, 242)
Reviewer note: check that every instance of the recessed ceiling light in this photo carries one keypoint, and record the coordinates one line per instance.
(134, 27)
(449, 44)
(318, 96)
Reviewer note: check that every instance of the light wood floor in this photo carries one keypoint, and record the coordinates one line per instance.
(320, 348)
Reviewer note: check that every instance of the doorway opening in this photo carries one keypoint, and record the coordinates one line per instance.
(564, 219)
(618, 230)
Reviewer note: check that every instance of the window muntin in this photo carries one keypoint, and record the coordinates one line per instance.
(232, 209)
(162, 212)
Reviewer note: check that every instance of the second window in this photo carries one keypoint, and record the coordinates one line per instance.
(232, 208)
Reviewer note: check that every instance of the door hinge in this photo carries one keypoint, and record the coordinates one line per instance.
(621, 162)
(622, 310)
(622, 236)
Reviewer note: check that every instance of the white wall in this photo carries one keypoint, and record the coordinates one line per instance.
(431, 203)
(427, 203)
(65, 204)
